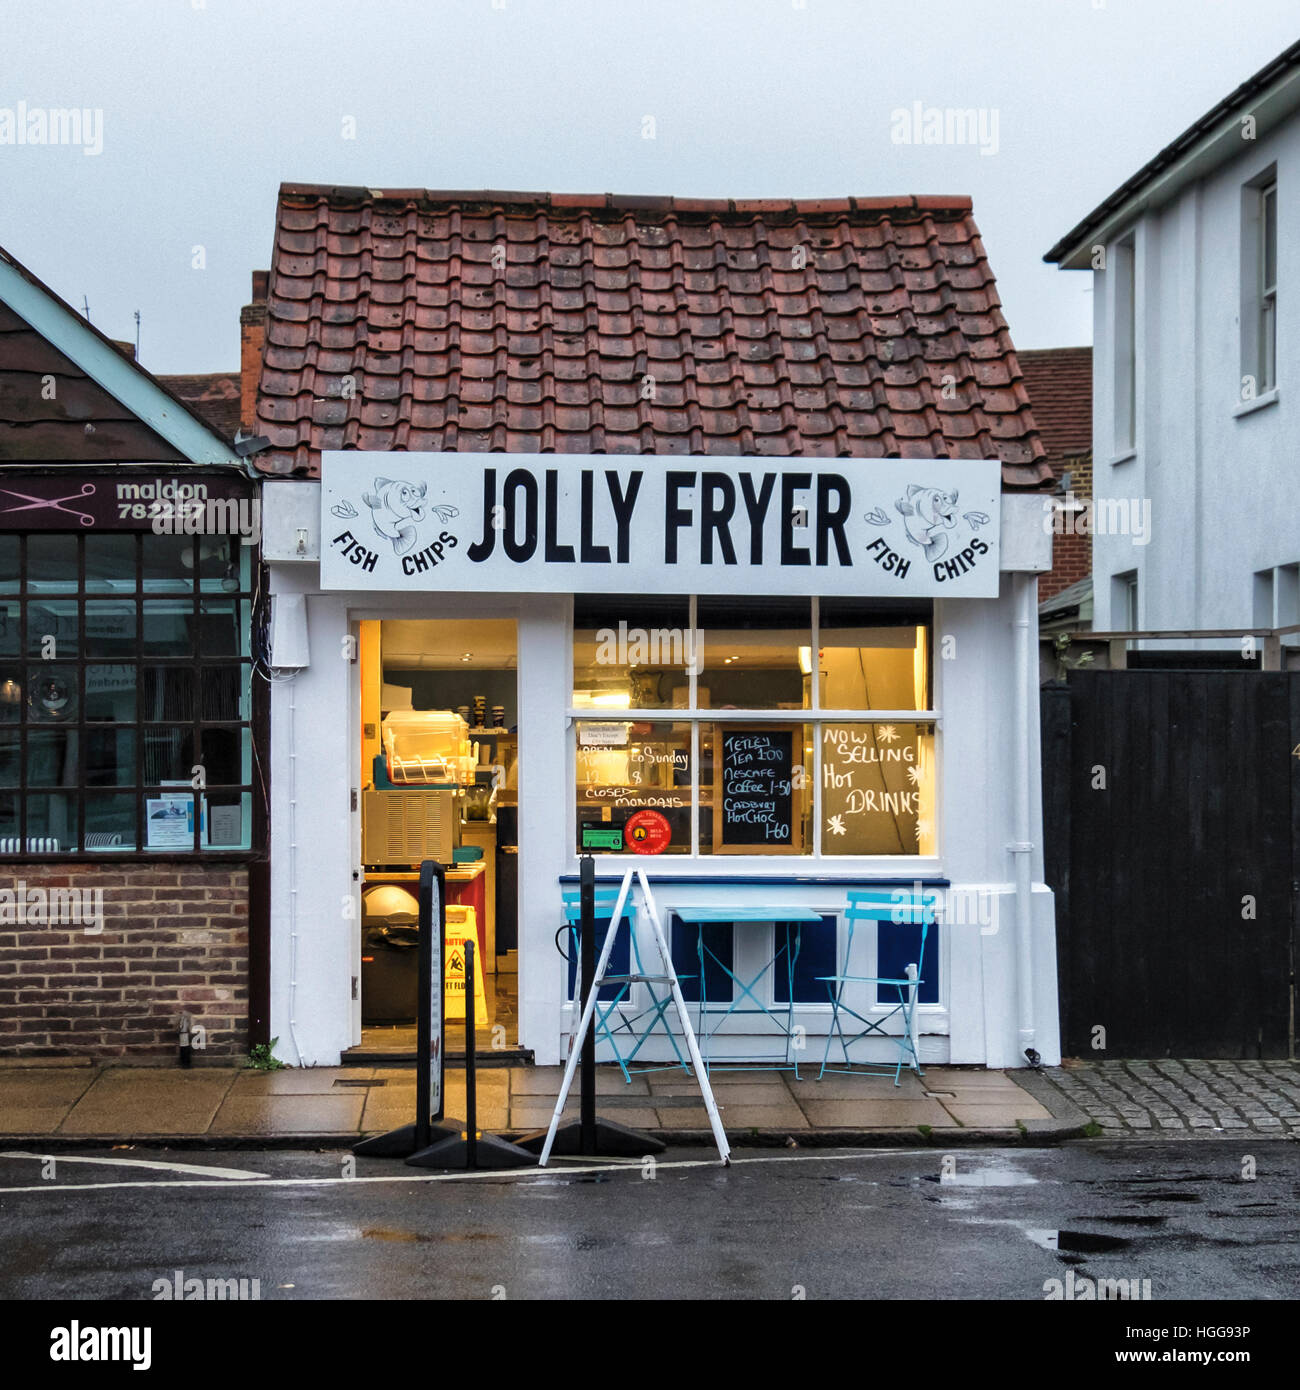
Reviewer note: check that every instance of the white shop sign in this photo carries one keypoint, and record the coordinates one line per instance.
(549, 523)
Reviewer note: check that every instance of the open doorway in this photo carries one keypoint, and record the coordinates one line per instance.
(439, 776)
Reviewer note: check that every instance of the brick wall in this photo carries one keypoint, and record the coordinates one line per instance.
(1071, 554)
(1071, 561)
(175, 940)
(252, 335)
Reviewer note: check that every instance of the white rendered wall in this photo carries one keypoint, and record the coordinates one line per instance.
(315, 844)
(314, 951)
(1220, 478)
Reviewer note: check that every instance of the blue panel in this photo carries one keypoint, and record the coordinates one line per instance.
(896, 948)
(817, 956)
(618, 956)
(686, 961)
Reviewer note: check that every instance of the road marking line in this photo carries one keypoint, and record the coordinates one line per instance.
(197, 1169)
(495, 1175)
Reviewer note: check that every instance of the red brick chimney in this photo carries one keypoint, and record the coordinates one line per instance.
(252, 334)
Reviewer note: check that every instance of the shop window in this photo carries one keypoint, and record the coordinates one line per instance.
(753, 656)
(638, 656)
(634, 785)
(877, 787)
(852, 773)
(124, 694)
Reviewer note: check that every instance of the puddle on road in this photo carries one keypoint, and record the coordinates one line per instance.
(993, 1176)
(1075, 1242)
(580, 1243)
(425, 1237)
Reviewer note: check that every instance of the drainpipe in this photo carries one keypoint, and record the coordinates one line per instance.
(1022, 848)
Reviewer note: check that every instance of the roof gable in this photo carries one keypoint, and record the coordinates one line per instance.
(103, 406)
(1269, 97)
(415, 320)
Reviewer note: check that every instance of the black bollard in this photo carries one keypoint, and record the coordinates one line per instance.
(471, 1064)
(587, 929)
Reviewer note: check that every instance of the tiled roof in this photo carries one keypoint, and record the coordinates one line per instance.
(1059, 383)
(214, 396)
(80, 419)
(415, 320)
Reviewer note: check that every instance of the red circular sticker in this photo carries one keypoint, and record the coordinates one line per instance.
(647, 832)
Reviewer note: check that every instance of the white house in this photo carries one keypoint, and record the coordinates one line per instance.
(1195, 377)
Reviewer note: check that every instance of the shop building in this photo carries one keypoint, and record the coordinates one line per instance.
(131, 820)
(698, 534)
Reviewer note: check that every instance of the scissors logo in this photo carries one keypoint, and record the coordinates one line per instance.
(54, 504)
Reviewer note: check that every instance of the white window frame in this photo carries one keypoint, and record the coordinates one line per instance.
(1124, 415)
(1125, 589)
(1257, 314)
(1267, 290)
(814, 716)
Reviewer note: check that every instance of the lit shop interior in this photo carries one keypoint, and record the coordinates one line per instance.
(758, 750)
(439, 759)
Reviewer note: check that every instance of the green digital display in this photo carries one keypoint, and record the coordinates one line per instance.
(602, 837)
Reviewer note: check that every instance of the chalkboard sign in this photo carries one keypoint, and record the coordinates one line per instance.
(757, 795)
(873, 782)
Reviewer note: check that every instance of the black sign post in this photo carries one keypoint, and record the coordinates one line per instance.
(590, 1135)
(465, 1147)
(430, 1031)
(587, 928)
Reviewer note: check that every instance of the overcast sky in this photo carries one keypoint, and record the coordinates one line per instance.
(209, 104)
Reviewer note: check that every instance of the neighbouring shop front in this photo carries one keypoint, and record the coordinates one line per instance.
(766, 681)
(130, 812)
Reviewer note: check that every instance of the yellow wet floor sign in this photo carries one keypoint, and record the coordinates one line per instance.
(462, 927)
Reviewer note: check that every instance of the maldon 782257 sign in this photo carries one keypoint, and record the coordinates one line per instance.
(603, 524)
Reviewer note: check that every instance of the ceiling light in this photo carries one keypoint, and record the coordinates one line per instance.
(468, 656)
(613, 700)
(805, 660)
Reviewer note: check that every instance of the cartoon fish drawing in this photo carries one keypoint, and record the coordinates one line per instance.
(925, 512)
(397, 509)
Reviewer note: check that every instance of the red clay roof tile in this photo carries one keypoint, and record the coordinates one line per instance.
(576, 323)
(1059, 384)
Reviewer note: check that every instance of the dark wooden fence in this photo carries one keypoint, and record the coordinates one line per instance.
(1171, 805)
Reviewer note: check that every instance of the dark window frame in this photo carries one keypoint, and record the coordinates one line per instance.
(246, 729)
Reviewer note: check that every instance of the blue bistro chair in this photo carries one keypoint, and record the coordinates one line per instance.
(884, 909)
(610, 1022)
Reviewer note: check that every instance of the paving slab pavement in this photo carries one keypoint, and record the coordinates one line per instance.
(62, 1104)
(224, 1106)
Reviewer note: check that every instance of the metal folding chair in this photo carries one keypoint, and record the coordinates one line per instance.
(885, 909)
(611, 1023)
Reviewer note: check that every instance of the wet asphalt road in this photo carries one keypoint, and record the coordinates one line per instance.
(868, 1224)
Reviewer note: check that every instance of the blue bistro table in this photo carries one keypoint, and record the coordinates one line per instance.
(699, 918)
